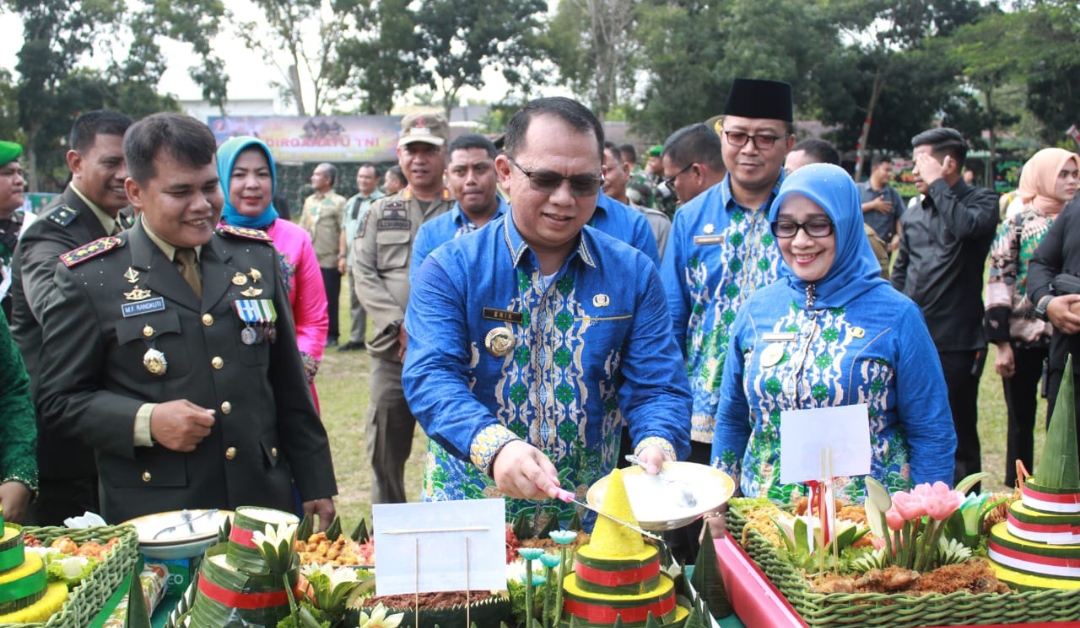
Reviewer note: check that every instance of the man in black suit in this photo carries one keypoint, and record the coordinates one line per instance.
(87, 210)
(170, 348)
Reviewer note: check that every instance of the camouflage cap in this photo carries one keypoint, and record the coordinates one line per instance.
(430, 128)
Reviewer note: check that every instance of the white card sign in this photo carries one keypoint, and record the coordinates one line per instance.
(805, 434)
(440, 546)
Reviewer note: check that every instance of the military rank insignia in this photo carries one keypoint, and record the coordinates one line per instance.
(64, 215)
(91, 250)
(244, 232)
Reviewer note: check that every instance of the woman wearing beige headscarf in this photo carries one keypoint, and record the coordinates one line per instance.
(1047, 183)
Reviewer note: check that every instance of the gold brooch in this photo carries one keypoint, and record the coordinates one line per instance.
(252, 292)
(239, 279)
(500, 342)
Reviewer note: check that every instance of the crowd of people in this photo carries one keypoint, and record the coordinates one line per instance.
(540, 304)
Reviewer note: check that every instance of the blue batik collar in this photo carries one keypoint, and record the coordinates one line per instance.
(461, 218)
(517, 245)
(728, 199)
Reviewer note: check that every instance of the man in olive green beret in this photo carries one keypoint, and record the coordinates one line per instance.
(12, 219)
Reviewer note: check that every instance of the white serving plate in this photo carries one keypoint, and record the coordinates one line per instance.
(657, 504)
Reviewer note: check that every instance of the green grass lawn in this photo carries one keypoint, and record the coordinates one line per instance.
(342, 384)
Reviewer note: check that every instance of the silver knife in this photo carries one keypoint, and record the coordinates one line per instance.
(567, 496)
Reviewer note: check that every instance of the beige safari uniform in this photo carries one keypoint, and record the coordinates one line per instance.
(381, 254)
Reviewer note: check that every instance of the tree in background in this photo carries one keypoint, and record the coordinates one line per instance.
(380, 59)
(462, 38)
(308, 33)
(54, 85)
(591, 43)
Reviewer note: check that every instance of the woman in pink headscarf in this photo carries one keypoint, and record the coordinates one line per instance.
(1047, 183)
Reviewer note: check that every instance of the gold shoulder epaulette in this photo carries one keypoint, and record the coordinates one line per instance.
(87, 251)
(244, 232)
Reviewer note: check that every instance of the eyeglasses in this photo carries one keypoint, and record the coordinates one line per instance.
(738, 138)
(669, 182)
(815, 228)
(547, 182)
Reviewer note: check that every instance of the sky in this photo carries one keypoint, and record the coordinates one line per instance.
(249, 75)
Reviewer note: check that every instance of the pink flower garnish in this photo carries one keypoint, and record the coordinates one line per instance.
(893, 519)
(909, 505)
(941, 501)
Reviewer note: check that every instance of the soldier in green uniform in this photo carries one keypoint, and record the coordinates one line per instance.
(90, 208)
(170, 349)
(383, 248)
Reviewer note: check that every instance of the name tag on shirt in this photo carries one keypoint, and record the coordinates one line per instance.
(708, 239)
(779, 336)
(493, 314)
(399, 224)
(142, 307)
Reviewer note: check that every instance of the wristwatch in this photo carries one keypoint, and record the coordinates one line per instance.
(1040, 307)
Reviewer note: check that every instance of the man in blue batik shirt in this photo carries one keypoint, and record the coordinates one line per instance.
(471, 178)
(531, 339)
(720, 250)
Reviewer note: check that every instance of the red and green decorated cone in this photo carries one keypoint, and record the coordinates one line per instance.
(242, 554)
(229, 596)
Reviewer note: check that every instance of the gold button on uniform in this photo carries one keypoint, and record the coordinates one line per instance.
(217, 362)
(146, 476)
(148, 331)
(230, 453)
(207, 320)
(226, 407)
(273, 452)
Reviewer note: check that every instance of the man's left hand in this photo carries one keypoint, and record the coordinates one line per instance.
(323, 509)
(653, 457)
(14, 498)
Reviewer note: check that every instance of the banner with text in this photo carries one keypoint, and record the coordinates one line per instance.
(317, 138)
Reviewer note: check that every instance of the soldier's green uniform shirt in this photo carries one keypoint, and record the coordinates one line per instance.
(120, 297)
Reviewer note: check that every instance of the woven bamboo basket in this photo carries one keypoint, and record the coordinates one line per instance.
(86, 600)
(898, 610)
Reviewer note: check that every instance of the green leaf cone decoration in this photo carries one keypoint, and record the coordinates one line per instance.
(550, 525)
(360, 533)
(138, 613)
(334, 531)
(224, 531)
(306, 527)
(575, 622)
(575, 522)
(618, 622)
(523, 528)
(707, 579)
(651, 622)
(696, 619)
(1057, 468)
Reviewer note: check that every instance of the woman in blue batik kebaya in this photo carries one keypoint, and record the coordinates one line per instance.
(831, 332)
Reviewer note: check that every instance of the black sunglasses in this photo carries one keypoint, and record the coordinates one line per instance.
(547, 182)
(816, 228)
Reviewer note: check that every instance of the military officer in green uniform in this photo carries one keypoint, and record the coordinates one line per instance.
(170, 349)
(88, 209)
(382, 250)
